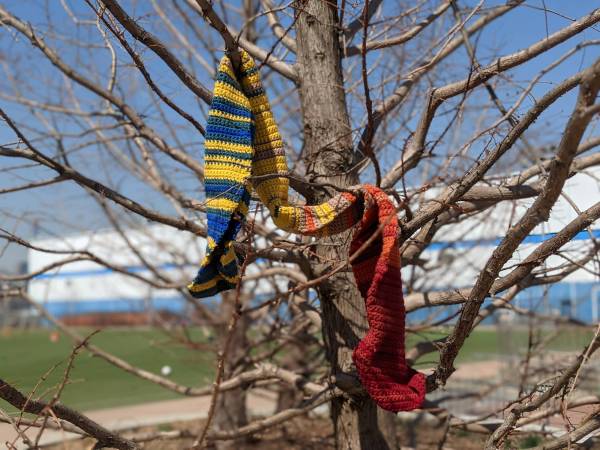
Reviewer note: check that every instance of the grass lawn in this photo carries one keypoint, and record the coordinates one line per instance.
(488, 343)
(26, 356)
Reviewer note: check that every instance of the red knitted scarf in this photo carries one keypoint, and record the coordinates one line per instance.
(380, 355)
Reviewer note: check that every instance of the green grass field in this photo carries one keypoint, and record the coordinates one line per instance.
(488, 343)
(26, 356)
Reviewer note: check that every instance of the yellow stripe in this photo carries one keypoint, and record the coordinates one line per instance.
(226, 67)
(287, 218)
(222, 203)
(230, 279)
(230, 146)
(227, 160)
(226, 115)
(202, 286)
(211, 242)
(324, 213)
(227, 172)
(199, 287)
(228, 257)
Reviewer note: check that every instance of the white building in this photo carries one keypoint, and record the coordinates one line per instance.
(87, 286)
(459, 251)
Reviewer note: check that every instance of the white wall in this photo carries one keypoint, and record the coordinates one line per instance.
(460, 252)
(175, 254)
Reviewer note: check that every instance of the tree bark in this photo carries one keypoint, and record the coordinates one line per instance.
(231, 413)
(358, 423)
(295, 360)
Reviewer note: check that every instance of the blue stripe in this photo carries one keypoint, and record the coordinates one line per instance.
(233, 154)
(222, 76)
(66, 307)
(222, 104)
(225, 185)
(531, 239)
(229, 123)
(241, 135)
(106, 271)
(176, 304)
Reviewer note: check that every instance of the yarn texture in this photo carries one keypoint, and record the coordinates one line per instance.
(242, 140)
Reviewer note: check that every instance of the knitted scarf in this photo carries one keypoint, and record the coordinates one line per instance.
(242, 139)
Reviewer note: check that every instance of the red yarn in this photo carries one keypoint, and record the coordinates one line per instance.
(380, 355)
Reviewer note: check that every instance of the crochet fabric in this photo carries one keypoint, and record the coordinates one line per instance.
(242, 139)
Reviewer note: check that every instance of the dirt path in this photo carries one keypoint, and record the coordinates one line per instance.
(259, 403)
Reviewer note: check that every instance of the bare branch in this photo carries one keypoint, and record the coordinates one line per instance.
(160, 49)
(537, 213)
(404, 37)
(37, 407)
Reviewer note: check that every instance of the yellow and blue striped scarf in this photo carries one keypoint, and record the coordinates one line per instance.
(242, 139)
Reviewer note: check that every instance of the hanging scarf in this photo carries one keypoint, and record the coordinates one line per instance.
(242, 140)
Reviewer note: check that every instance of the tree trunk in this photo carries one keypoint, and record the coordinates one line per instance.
(230, 413)
(293, 359)
(358, 423)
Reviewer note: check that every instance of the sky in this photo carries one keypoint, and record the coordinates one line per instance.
(73, 211)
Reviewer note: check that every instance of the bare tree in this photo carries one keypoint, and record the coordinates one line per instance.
(110, 97)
